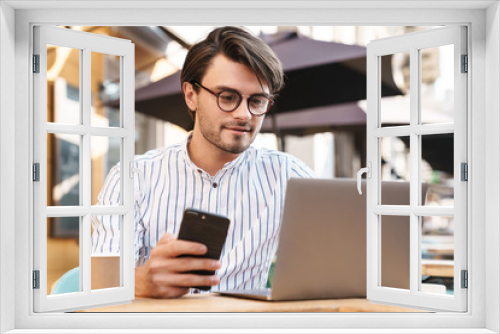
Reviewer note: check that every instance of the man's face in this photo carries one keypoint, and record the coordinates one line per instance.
(232, 132)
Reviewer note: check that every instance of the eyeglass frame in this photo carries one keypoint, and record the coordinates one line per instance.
(271, 101)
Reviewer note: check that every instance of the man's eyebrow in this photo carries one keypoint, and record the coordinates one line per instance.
(223, 87)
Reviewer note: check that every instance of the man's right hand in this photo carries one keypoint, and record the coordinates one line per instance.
(165, 274)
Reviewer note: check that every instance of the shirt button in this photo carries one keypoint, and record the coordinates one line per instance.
(199, 171)
(214, 184)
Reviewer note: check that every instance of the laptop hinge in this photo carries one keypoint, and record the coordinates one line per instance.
(36, 279)
(465, 279)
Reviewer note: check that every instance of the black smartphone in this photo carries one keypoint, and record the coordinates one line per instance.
(205, 228)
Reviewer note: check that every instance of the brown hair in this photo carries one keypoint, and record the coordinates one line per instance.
(240, 46)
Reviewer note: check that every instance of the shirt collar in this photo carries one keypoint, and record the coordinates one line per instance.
(229, 165)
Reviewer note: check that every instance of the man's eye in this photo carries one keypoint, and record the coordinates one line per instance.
(228, 95)
(226, 98)
(229, 99)
(258, 102)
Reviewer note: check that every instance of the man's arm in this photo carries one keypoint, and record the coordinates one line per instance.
(163, 275)
(105, 236)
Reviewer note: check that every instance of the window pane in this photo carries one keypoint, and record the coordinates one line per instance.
(437, 169)
(105, 261)
(105, 152)
(437, 254)
(395, 110)
(63, 255)
(63, 169)
(395, 251)
(394, 166)
(105, 89)
(63, 85)
(437, 85)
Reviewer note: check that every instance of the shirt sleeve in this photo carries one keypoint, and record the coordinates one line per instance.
(106, 228)
(300, 170)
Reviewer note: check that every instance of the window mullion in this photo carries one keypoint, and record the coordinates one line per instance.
(460, 155)
(85, 168)
(40, 155)
(406, 210)
(67, 128)
(392, 210)
(427, 129)
(373, 156)
(415, 192)
(434, 129)
(439, 211)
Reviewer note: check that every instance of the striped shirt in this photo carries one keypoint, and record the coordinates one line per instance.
(249, 190)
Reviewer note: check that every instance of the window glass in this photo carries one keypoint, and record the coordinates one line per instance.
(438, 170)
(437, 94)
(106, 259)
(395, 110)
(437, 246)
(105, 89)
(395, 166)
(63, 255)
(63, 169)
(105, 153)
(63, 85)
(395, 251)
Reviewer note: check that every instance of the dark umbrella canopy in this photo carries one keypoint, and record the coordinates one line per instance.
(317, 74)
(164, 100)
(324, 73)
(318, 119)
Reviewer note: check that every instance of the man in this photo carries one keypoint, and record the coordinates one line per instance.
(228, 81)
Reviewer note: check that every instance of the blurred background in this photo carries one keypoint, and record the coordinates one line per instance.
(320, 117)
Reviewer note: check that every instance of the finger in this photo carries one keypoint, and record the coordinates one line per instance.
(183, 264)
(165, 238)
(182, 247)
(185, 280)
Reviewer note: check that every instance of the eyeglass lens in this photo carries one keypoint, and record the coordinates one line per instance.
(229, 101)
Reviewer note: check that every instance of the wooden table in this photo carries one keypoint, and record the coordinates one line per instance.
(213, 302)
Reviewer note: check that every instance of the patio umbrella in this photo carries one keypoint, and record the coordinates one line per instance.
(317, 74)
(322, 73)
(317, 119)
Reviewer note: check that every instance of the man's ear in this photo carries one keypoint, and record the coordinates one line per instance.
(190, 96)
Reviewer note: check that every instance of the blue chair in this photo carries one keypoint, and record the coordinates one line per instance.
(69, 282)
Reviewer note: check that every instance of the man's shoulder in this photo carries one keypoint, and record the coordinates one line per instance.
(158, 154)
(280, 160)
(261, 153)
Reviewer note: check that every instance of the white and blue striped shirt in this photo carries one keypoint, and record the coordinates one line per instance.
(249, 190)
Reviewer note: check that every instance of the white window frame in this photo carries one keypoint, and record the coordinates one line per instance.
(16, 21)
(414, 43)
(85, 43)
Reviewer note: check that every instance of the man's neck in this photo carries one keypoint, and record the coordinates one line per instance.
(207, 156)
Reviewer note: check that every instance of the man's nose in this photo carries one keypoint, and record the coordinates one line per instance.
(242, 112)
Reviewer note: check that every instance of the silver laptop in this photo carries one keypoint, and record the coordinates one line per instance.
(322, 242)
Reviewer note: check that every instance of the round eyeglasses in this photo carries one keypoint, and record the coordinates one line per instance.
(228, 100)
